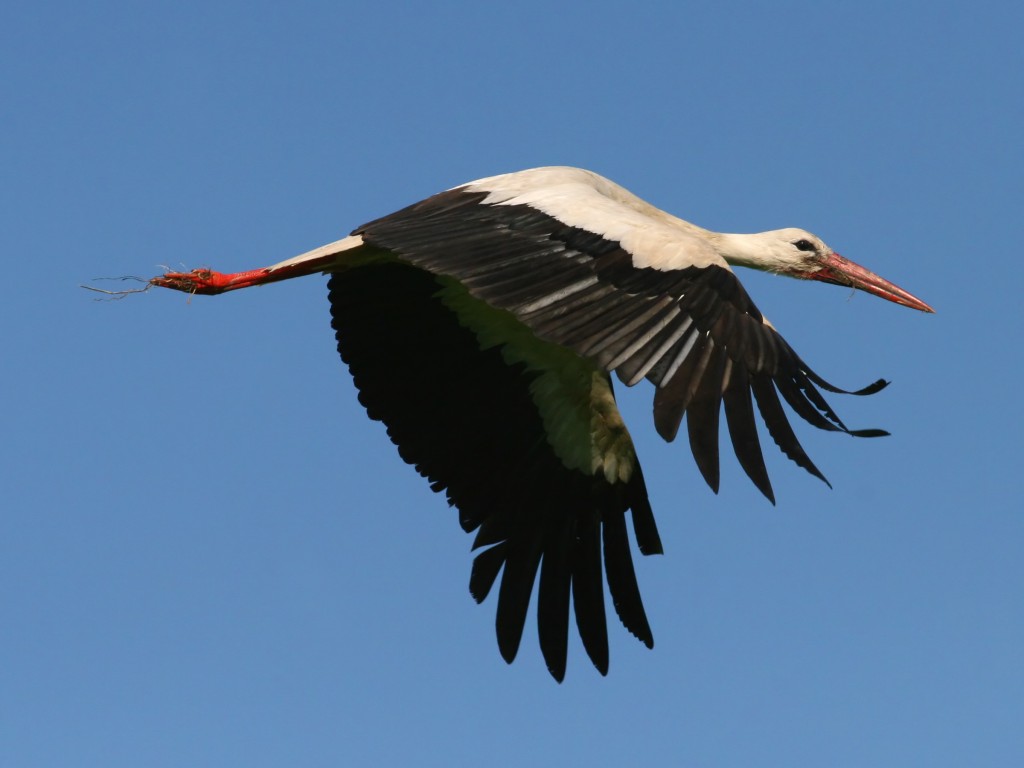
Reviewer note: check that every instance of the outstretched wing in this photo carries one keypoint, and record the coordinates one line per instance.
(587, 266)
(499, 426)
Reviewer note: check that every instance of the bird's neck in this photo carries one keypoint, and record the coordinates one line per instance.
(756, 250)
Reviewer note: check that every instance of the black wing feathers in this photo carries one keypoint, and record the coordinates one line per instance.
(465, 418)
(739, 415)
(693, 332)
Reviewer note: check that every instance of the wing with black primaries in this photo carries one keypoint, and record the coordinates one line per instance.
(692, 331)
(469, 422)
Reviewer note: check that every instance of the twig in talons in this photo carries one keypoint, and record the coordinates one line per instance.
(116, 295)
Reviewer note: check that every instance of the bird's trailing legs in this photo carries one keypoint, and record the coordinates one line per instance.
(207, 282)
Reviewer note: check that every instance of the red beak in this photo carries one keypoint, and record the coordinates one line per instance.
(836, 269)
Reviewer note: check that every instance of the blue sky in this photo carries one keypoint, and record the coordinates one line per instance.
(208, 554)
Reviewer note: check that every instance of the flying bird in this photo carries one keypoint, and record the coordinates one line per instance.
(482, 326)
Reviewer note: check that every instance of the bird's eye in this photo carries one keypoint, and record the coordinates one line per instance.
(805, 245)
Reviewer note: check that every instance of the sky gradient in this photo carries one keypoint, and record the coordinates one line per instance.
(209, 556)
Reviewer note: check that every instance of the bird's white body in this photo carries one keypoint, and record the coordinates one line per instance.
(654, 238)
(583, 199)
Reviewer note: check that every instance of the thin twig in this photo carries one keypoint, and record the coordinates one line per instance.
(116, 295)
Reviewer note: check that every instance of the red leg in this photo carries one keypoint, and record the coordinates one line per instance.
(209, 283)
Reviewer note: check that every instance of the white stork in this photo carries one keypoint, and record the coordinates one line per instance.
(482, 324)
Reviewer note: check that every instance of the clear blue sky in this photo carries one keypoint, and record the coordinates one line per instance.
(209, 556)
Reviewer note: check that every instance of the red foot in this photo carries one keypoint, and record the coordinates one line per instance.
(208, 282)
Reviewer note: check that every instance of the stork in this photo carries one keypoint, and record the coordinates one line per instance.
(482, 326)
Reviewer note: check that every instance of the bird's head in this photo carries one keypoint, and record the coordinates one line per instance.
(797, 253)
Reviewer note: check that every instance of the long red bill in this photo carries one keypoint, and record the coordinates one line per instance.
(836, 269)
